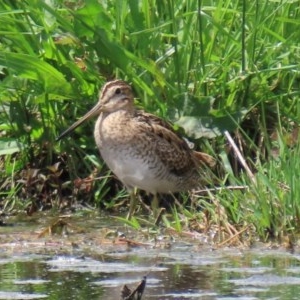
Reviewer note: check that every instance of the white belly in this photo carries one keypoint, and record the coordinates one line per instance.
(135, 172)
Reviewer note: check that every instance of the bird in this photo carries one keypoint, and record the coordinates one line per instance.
(141, 149)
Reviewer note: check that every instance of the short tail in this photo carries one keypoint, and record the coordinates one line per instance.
(204, 158)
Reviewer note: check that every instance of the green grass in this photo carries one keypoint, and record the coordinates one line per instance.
(209, 66)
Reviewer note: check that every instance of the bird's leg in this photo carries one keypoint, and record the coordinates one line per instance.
(133, 201)
(154, 205)
(157, 212)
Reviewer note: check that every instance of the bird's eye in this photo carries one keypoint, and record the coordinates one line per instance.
(118, 91)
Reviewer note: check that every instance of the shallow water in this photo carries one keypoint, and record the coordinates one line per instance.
(95, 265)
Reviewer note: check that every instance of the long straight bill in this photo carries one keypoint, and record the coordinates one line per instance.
(93, 112)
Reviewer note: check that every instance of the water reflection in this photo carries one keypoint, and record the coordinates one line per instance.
(52, 268)
(69, 277)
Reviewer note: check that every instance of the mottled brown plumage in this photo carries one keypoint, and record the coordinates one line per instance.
(142, 150)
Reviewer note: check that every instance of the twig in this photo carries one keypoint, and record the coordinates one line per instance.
(127, 294)
(217, 189)
(233, 236)
(239, 156)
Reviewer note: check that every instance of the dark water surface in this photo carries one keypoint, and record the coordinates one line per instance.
(94, 265)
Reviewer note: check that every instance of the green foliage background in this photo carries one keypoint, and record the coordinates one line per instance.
(208, 65)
